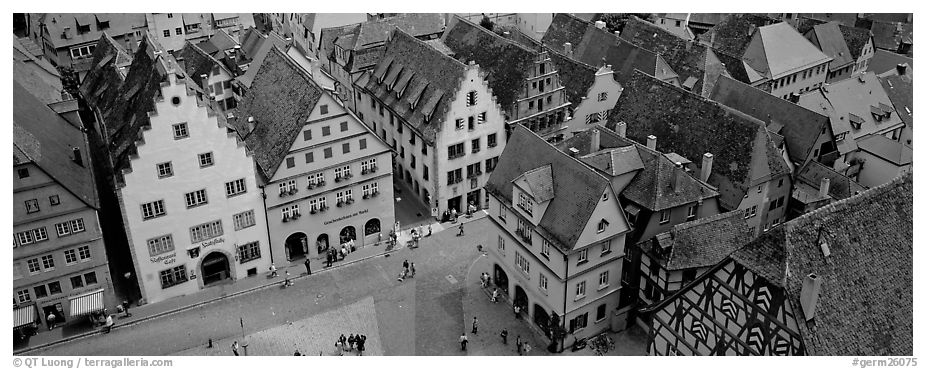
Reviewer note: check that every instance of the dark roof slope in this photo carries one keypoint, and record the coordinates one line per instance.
(899, 89)
(197, 62)
(576, 77)
(597, 47)
(765, 256)
(841, 187)
(866, 297)
(886, 36)
(422, 94)
(690, 125)
(652, 188)
(686, 57)
(884, 61)
(705, 242)
(731, 36)
(831, 41)
(800, 127)
(577, 188)
(506, 63)
(281, 98)
(102, 82)
(856, 38)
(42, 137)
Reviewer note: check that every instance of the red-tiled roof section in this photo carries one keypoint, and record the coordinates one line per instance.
(577, 188)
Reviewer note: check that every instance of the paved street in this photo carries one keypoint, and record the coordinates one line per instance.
(423, 315)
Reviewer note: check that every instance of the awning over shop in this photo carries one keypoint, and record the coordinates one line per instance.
(87, 303)
(23, 316)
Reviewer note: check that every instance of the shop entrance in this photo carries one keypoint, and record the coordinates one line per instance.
(520, 298)
(296, 246)
(501, 278)
(348, 233)
(322, 243)
(542, 319)
(473, 198)
(58, 310)
(454, 203)
(215, 268)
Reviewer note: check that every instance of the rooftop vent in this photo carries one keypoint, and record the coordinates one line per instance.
(600, 24)
(810, 293)
(573, 152)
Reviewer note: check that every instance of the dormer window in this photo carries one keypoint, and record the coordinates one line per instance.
(602, 225)
(526, 204)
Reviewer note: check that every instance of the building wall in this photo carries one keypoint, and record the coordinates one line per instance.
(677, 215)
(541, 104)
(534, 24)
(331, 222)
(142, 185)
(861, 64)
(159, 23)
(41, 187)
(803, 80)
(678, 27)
(593, 109)
(760, 198)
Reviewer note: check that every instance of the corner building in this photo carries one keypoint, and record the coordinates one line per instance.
(185, 183)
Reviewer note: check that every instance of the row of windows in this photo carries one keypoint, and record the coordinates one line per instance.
(318, 179)
(470, 123)
(198, 233)
(54, 288)
(193, 199)
(793, 78)
(166, 169)
(46, 263)
(320, 203)
(472, 170)
(32, 205)
(597, 117)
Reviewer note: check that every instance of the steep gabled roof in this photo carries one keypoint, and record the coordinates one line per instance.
(732, 35)
(281, 98)
(852, 99)
(800, 127)
(704, 242)
(686, 57)
(887, 37)
(778, 50)
(616, 161)
(539, 183)
(197, 62)
(575, 76)
(42, 137)
(422, 94)
(841, 187)
(37, 75)
(366, 38)
(856, 38)
(899, 89)
(505, 63)
(865, 306)
(691, 125)
(653, 187)
(102, 82)
(831, 42)
(577, 188)
(766, 256)
(597, 47)
(257, 51)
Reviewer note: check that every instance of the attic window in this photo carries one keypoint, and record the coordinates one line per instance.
(602, 225)
(526, 204)
(857, 121)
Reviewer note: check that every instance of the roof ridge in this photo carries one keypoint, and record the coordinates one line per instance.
(511, 42)
(437, 52)
(705, 220)
(202, 52)
(838, 205)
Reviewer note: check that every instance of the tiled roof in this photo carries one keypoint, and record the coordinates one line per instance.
(887, 37)
(505, 63)
(705, 242)
(779, 51)
(841, 187)
(690, 125)
(31, 47)
(707, 18)
(899, 90)
(513, 33)
(281, 98)
(222, 40)
(539, 182)
(801, 127)
(652, 188)
(366, 38)
(766, 256)
(616, 161)
(884, 61)
(885, 148)
(865, 305)
(731, 35)
(429, 79)
(119, 24)
(197, 62)
(259, 49)
(686, 57)
(38, 76)
(575, 76)
(597, 47)
(856, 38)
(102, 83)
(328, 36)
(42, 137)
(577, 189)
(831, 42)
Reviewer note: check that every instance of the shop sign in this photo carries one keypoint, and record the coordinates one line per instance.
(345, 217)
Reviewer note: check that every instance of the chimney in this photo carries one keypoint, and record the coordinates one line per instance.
(707, 163)
(824, 187)
(677, 176)
(596, 141)
(77, 158)
(251, 124)
(902, 69)
(568, 48)
(651, 142)
(602, 24)
(688, 45)
(810, 292)
(621, 129)
(573, 152)
(205, 81)
(617, 33)
(752, 29)
(713, 36)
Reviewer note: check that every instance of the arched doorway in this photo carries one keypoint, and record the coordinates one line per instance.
(215, 268)
(542, 319)
(520, 297)
(296, 246)
(501, 278)
(372, 227)
(321, 243)
(348, 233)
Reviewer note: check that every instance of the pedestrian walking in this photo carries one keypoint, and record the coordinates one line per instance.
(463, 341)
(495, 295)
(429, 230)
(517, 311)
(50, 319)
(109, 324)
(461, 230)
(343, 341)
(362, 344)
(350, 342)
(453, 214)
(475, 325)
(125, 307)
(504, 336)
(308, 266)
(405, 264)
(328, 259)
(343, 251)
(235, 348)
(273, 270)
(413, 270)
(518, 343)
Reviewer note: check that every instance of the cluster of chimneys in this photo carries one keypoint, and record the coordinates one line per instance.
(707, 160)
